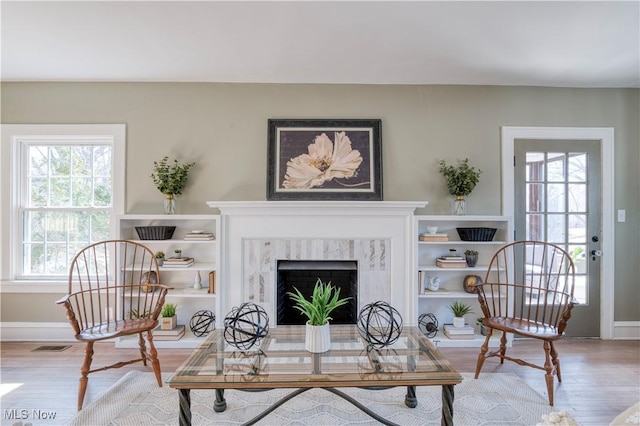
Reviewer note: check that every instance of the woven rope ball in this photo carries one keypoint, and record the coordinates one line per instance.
(379, 324)
(246, 325)
(202, 322)
(428, 325)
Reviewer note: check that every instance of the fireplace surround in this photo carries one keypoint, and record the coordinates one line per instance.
(376, 235)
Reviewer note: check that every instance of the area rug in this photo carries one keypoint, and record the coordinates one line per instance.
(493, 399)
(631, 416)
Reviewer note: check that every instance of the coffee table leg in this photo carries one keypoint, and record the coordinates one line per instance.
(221, 404)
(184, 396)
(447, 405)
(410, 399)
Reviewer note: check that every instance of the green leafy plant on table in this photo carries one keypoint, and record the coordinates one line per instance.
(324, 300)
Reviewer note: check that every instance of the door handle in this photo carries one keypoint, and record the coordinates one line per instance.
(595, 253)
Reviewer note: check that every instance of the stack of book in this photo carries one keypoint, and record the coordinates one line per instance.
(178, 262)
(173, 334)
(462, 333)
(199, 236)
(433, 237)
(450, 262)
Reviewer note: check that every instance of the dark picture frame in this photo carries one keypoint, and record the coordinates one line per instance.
(324, 159)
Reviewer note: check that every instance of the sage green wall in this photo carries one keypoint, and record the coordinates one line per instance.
(223, 128)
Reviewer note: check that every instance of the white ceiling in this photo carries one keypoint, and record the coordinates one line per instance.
(541, 43)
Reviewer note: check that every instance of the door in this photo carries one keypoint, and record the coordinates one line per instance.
(557, 199)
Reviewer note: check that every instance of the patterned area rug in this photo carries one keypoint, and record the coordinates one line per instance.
(493, 399)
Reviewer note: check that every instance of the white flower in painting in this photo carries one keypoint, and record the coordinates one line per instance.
(323, 163)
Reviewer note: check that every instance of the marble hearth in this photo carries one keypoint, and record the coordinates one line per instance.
(377, 235)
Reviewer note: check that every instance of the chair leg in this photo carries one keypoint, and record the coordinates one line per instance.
(483, 352)
(556, 361)
(503, 346)
(549, 371)
(84, 373)
(155, 362)
(143, 349)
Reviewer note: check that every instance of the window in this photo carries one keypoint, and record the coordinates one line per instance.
(67, 188)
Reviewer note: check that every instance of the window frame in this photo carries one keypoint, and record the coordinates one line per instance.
(14, 136)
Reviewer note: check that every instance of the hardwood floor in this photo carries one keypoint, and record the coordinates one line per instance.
(600, 378)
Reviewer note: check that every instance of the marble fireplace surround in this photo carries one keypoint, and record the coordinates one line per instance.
(378, 235)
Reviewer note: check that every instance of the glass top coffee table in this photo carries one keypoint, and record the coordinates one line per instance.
(280, 361)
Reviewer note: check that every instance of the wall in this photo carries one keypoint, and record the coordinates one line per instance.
(223, 127)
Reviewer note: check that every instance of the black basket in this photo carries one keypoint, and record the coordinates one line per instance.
(155, 232)
(476, 234)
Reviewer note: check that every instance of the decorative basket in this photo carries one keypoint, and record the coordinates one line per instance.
(155, 232)
(476, 234)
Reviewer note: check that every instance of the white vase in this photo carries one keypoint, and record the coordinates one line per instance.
(458, 322)
(318, 338)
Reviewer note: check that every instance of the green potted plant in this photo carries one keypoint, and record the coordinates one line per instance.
(459, 310)
(461, 180)
(169, 319)
(324, 300)
(160, 257)
(178, 253)
(170, 179)
(471, 257)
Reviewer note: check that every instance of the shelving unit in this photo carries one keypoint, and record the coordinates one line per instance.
(451, 279)
(206, 256)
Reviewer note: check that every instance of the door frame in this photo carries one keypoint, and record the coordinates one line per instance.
(605, 135)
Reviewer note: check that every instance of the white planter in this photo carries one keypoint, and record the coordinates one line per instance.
(318, 338)
(458, 321)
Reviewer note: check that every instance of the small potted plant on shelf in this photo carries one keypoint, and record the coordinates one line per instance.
(471, 257)
(324, 300)
(169, 319)
(461, 180)
(178, 253)
(459, 310)
(170, 180)
(160, 257)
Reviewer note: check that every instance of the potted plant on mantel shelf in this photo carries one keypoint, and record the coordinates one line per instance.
(324, 300)
(459, 310)
(461, 180)
(160, 257)
(169, 319)
(170, 180)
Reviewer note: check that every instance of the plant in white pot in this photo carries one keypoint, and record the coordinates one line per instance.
(459, 310)
(324, 300)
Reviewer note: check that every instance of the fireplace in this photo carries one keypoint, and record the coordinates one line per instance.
(303, 275)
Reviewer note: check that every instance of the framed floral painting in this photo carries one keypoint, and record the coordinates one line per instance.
(324, 160)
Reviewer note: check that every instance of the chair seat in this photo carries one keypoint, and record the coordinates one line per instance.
(113, 329)
(523, 327)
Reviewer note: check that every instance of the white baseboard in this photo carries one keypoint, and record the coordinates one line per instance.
(626, 330)
(36, 332)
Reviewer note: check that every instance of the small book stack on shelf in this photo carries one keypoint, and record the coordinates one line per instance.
(433, 237)
(178, 262)
(450, 262)
(452, 332)
(199, 236)
(173, 334)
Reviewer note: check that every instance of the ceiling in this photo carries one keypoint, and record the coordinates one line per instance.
(540, 43)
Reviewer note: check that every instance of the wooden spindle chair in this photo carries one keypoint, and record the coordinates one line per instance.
(114, 291)
(528, 291)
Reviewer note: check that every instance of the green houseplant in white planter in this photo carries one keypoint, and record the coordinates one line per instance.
(324, 300)
(459, 310)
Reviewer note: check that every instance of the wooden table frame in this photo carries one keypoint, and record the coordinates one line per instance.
(411, 361)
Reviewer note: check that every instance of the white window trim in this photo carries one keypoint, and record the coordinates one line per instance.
(10, 178)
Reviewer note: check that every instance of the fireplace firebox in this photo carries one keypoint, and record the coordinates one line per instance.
(303, 275)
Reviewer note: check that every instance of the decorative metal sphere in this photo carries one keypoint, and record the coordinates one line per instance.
(428, 325)
(202, 322)
(379, 324)
(470, 282)
(246, 325)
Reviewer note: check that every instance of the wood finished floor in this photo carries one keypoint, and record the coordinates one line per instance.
(600, 378)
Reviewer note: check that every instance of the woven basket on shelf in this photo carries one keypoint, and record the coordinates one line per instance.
(155, 232)
(476, 234)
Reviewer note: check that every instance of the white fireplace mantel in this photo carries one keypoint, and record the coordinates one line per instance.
(378, 234)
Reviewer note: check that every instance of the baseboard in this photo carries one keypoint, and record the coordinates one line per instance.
(626, 330)
(36, 332)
